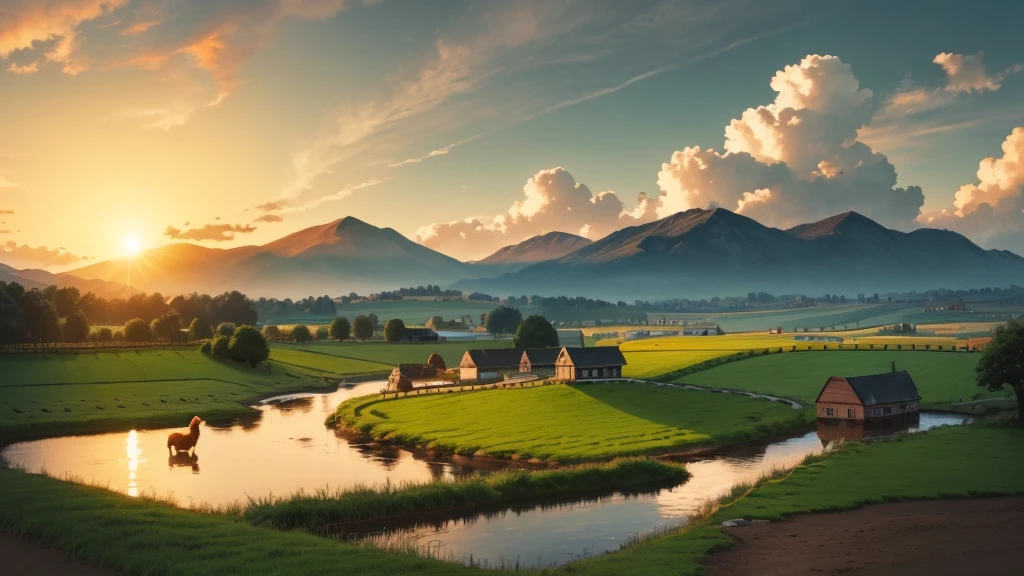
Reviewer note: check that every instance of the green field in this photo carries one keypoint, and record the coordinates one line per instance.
(384, 353)
(325, 363)
(941, 377)
(570, 423)
(412, 312)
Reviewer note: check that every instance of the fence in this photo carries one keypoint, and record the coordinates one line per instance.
(530, 382)
(76, 347)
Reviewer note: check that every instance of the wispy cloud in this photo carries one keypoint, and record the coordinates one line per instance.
(269, 218)
(25, 256)
(138, 27)
(30, 68)
(210, 232)
(30, 25)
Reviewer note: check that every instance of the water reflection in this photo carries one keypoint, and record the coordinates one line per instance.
(183, 459)
(134, 457)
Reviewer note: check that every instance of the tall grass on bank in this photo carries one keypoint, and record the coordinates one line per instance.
(323, 508)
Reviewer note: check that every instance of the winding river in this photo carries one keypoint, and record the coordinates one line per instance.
(285, 447)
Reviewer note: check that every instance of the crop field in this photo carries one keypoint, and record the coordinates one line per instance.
(132, 386)
(941, 377)
(653, 357)
(325, 363)
(571, 423)
(383, 352)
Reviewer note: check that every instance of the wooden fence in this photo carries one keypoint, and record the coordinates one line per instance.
(530, 382)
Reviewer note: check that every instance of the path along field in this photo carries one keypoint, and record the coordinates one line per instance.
(570, 423)
(941, 377)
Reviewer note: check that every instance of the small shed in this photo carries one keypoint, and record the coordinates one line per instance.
(867, 397)
(420, 335)
(489, 364)
(539, 361)
(577, 364)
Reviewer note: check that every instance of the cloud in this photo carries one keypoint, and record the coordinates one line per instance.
(30, 68)
(269, 218)
(5, 231)
(271, 207)
(795, 160)
(6, 212)
(138, 27)
(28, 24)
(210, 232)
(158, 118)
(553, 201)
(24, 256)
(966, 73)
(991, 210)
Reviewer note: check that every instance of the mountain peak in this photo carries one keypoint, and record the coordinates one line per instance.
(846, 223)
(538, 249)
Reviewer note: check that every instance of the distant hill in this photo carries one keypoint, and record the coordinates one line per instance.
(538, 249)
(703, 253)
(41, 279)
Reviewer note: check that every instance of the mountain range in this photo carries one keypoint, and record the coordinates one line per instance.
(693, 254)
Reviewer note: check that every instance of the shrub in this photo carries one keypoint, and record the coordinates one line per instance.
(206, 348)
(321, 333)
(249, 346)
(301, 333)
(340, 329)
(394, 330)
(535, 332)
(225, 329)
(362, 328)
(136, 330)
(168, 327)
(199, 329)
(76, 327)
(219, 345)
(271, 332)
(105, 335)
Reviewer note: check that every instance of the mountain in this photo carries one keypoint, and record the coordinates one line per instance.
(41, 279)
(538, 249)
(703, 253)
(343, 256)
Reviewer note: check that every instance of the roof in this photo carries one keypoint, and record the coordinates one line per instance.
(883, 388)
(495, 358)
(420, 332)
(542, 356)
(598, 357)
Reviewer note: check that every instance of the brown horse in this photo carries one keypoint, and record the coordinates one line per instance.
(184, 442)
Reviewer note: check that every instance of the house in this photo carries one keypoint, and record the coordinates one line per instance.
(419, 335)
(403, 376)
(539, 361)
(489, 364)
(867, 397)
(577, 364)
(572, 338)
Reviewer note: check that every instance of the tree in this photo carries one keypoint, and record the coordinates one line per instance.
(105, 335)
(535, 332)
(503, 320)
(374, 321)
(322, 333)
(199, 329)
(249, 346)
(233, 307)
(219, 345)
(12, 319)
(340, 328)
(136, 330)
(394, 330)
(301, 333)
(1001, 364)
(225, 329)
(66, 300)
(168, 327)
(40, 316)
(362, 328)
(271, 332)
(76, 327)
(435, 322)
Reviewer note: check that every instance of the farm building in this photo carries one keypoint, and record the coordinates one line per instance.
(867, 397)
(419, 335)
(489, 364)
(713, 330)
(570, 338)
(575, 364)
(404, 376)
(539, 361)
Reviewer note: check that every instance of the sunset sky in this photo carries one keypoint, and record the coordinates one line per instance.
(471, 125)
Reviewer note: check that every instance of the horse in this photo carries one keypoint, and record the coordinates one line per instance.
(184, 442)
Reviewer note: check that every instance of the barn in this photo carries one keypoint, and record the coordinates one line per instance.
(576, 364)
(539, 361)
(489, 364)
(868, 397)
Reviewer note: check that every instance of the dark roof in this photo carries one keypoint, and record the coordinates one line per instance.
(884, 388)
(542, 356)
(598, 357)
(420, 332)
(496, 358)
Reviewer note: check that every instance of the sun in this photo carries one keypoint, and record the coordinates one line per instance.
(132, 246)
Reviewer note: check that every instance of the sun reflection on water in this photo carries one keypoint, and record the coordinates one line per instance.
(134, 458)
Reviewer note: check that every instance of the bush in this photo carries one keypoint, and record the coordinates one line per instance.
(535, 332)
(119, 336)
(503, 320)
(206, 348)
(394, 330)
(136, 330)
(340, 329)
(321, 333)
(248, 345)
(301, 333)
(362, 328)
(168, 327)
(104, 335)
(219, 345)
(271, 332)
(225, 329)
(76, 327)
(199, 329)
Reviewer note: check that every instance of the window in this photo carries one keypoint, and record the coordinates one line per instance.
(850, 413)
(830, 412)
(887, 410)
(584, 373)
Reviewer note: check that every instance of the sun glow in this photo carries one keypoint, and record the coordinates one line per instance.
(132, 246)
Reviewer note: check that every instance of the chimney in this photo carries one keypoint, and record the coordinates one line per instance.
(894, 366)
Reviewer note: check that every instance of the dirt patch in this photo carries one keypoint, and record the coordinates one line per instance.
(19, 556)
(934, 537)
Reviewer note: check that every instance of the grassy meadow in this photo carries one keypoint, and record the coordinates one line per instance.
(570, 423)
(412, 312)
(653, 357)
(321, 356)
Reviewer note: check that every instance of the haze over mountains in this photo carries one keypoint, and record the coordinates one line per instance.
(693, 254)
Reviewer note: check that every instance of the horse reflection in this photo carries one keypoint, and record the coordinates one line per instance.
(184, 459)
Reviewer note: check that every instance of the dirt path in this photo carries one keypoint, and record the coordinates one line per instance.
(19, 556)
(934, 537)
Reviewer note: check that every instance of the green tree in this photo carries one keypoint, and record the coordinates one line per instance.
(248, 345)
(136, 330)
(12, 319)
(394, 330)
(322, 333)
(503, 320)
(168, 327)
(40, 317)
(374, 321)
(341, 329)
(66, 300)
(271, 332)
(1002, 363)
(535, 332)
(76, 327)
(219, 345)
(362, 328)
(105, 335)
(301, 333)
(225, 329)
(199, 329)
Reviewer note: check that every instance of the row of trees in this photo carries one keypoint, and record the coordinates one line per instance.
(274, 308)
(244, 344)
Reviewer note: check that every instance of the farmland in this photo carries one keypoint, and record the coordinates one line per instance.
(567, 423)
(656, 356)
(412, 312)
(379, 353)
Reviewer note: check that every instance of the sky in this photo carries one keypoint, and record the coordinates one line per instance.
(470, 125)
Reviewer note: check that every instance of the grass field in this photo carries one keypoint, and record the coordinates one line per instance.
(384, 353)
(941, 377)
(412, 312)
(653, 357)
(567, 423)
